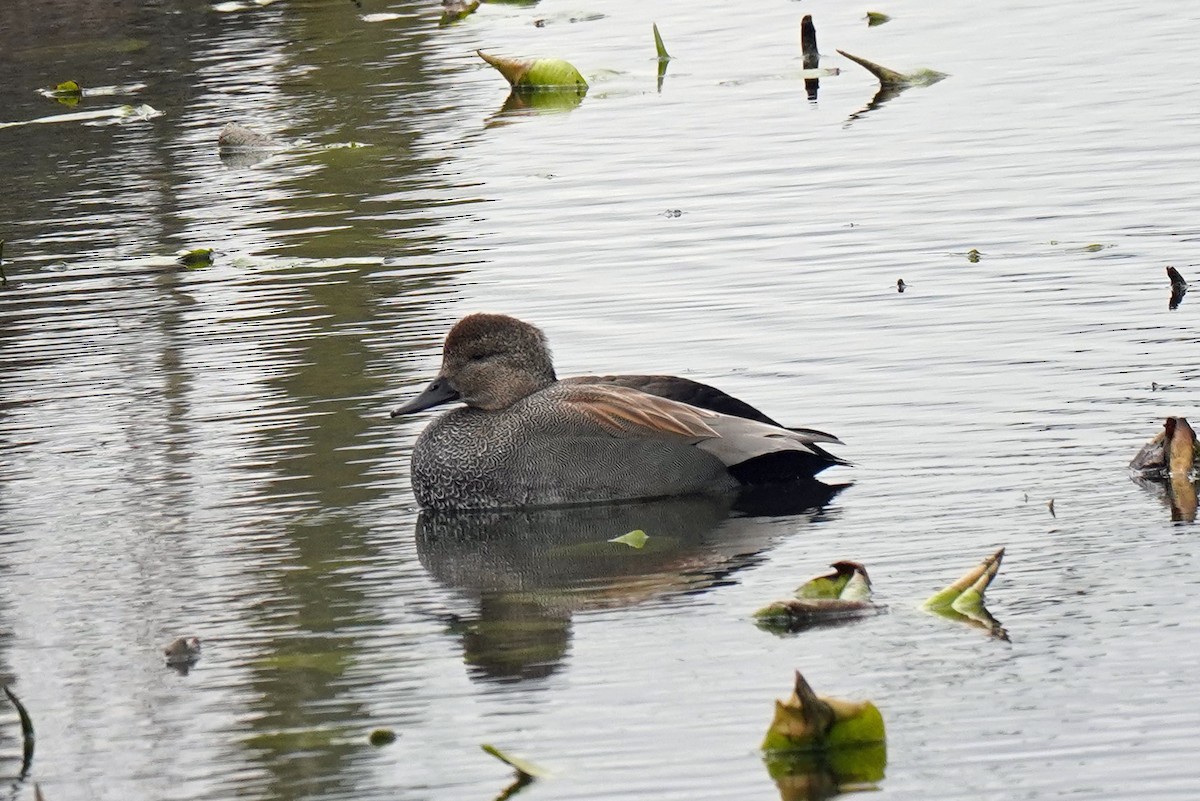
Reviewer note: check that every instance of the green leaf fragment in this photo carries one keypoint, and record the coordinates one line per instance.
(977, 578)
(634, 539)
(537, 74)
(194, 259)
(68, 88)
(893, 79)
(659, 47)
(973, 256)
(521, 766)
(806, 722)
(456, 10)
(876, 18)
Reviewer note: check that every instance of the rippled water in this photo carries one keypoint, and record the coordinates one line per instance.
(208, 453)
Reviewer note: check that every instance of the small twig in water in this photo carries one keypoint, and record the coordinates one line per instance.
(26, 731)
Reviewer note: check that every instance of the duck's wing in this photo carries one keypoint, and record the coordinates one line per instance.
(694, 393)
(622, 411)
(684, 390)
(625, 412)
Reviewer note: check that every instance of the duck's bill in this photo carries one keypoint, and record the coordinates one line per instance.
(437, 393)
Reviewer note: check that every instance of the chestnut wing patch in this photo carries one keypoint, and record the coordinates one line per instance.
(624, 411)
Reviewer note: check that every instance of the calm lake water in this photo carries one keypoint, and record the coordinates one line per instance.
(208, 452)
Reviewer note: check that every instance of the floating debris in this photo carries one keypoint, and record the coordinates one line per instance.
(847, 737)
(540, 74)
(900, 285)
(455, 10)
(973, 256)
(890, 78)
(842, 595)
(526, 771)
(1050, 506)
(876, 18)
(102, 116)
(27, 737)
(964, 599)
(634, 539)
(235, 136)
(195, 259)
(381, 737)
(1170, 463)
(182, 651)
(1179, 288)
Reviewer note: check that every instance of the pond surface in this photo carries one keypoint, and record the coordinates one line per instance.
(208, 453)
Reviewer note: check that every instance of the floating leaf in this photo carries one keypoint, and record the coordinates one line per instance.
(806, 722)
(381, 737)
(844, 594)
(659, 47)
(455, 10)
(634, 539)
(964, 599)
(876, 18)
(521, 766)
(194, 259)
(117, 114)
(891, 78)
(68, 88)
(537, 74)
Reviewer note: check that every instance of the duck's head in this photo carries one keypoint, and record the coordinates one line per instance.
(489, 361)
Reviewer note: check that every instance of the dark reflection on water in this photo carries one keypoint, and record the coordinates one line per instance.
(529, 572)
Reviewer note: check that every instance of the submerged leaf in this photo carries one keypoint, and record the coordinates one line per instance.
(537, 74)
(521, 766)
(634, 539)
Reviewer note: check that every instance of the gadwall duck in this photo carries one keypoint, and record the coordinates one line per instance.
(527, 439)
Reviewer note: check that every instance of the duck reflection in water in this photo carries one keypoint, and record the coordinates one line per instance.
(529, 571)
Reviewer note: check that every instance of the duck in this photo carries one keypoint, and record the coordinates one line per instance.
(523, 438)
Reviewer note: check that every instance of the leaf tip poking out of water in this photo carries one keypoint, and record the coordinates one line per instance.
(876, 18)
(537, 73)
(195, 259)
(634, 539)
(523, 767)
(964, 599)
(659, 47)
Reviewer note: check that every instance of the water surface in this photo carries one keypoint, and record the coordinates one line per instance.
(208, 452)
